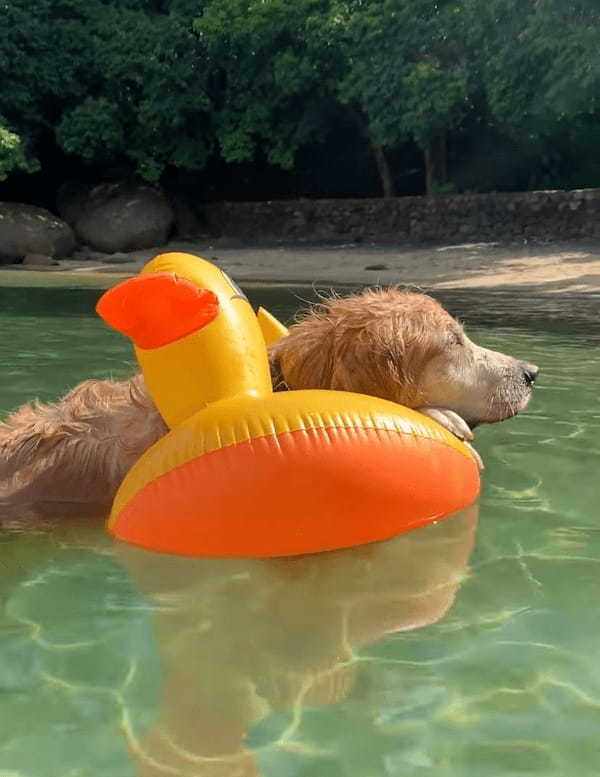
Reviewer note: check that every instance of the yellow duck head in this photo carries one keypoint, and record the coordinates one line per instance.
(244, 471)
(187, 364)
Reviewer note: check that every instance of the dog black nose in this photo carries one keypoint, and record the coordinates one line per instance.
(530, 373)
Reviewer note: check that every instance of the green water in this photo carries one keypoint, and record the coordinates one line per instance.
(459, 650)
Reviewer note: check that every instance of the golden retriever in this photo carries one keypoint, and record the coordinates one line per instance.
(393, 344)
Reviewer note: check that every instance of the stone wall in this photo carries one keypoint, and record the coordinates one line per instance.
(533, 216)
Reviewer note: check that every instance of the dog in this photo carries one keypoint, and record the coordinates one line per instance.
(403, 346)
(394, 344)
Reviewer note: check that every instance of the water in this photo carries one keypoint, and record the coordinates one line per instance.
(465, 649)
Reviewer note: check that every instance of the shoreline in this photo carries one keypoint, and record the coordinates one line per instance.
(567, 268)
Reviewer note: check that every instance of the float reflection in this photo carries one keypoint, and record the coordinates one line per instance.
(240, 639)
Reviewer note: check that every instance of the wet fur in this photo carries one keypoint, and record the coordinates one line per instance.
(405, 347)
(374, 343)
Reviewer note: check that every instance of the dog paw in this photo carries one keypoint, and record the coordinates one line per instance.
(450, 420)
(455, 424)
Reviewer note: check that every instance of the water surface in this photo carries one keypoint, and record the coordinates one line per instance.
(465, 649)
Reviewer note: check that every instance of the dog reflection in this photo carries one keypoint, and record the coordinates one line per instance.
(240, 639)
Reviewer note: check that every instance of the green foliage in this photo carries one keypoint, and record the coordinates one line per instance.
(13, 154)
(407, 66)
(110, 81)
(540, 65)
(540, 73)
(172, 83)
(92, 129)
(271, 78)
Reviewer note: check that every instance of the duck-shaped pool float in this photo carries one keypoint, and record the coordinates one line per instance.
(247, 472)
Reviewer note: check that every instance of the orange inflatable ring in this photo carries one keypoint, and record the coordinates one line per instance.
(246, 472)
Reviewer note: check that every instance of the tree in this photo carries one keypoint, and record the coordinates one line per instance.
(540, 74)
(107, 81)
(396, 66)
(149, 104)
(41, 67)
(170, 84)
(407, 75)
(271, 81)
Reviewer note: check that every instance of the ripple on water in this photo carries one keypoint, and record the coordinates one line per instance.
(330, 665)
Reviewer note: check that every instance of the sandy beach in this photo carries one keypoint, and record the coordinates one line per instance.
(544, 269)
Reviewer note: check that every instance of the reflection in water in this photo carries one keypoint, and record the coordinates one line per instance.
(241, 640)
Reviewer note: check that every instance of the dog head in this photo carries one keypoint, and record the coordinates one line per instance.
(402, 346)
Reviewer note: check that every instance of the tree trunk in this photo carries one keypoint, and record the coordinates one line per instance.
(443, 159)
(429, 171)
(436, 169)
(383, 168)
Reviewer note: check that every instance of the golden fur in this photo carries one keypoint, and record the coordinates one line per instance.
(394, 344)
(405, 347)
(374, 343)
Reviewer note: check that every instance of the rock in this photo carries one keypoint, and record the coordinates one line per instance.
(117, 217)
(26, 229)
(39, 260)
(473, 217)
(299, 218)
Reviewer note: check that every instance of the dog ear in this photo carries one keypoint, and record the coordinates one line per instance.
(304, 359)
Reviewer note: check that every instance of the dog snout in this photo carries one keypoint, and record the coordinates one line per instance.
(530, 373)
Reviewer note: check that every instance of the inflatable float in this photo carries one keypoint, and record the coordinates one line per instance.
(247, 472)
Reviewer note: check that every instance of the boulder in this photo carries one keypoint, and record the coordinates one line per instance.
(26, 229)
(117, 217)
